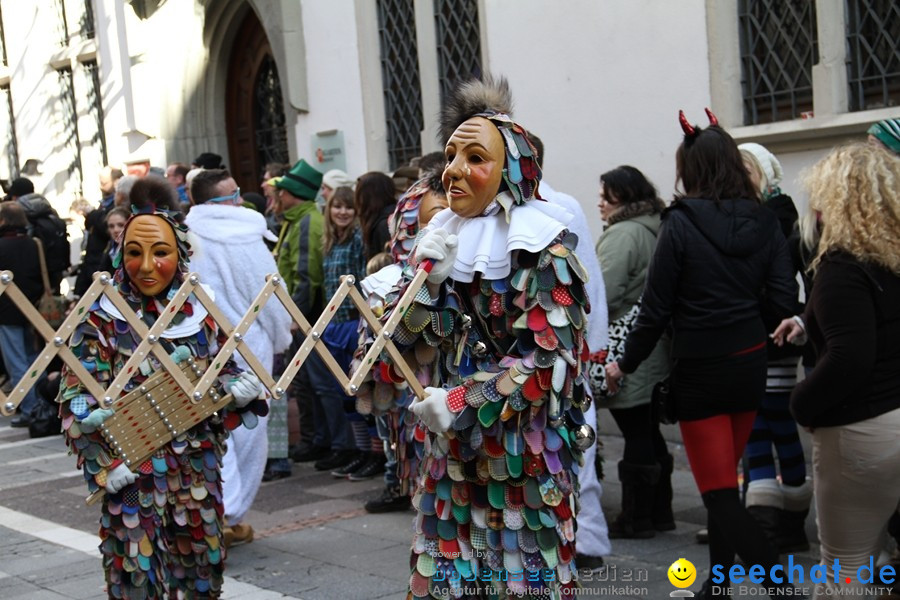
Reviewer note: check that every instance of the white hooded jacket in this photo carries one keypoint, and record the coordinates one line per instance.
(234, 261)
(231, 258)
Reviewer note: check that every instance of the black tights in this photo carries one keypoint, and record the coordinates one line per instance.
(644, 444)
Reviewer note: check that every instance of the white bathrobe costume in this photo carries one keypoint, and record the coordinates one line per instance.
(234, 261)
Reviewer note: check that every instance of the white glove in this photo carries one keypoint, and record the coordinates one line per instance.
(95, 419)
(441, 247)
(118, 478)
(433, 410)
(246, 389)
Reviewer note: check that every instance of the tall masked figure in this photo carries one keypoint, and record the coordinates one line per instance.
(161, 524)
(502, 321)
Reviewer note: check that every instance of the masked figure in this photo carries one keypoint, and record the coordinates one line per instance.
(502, 322)
(161, 524)
(383, 393)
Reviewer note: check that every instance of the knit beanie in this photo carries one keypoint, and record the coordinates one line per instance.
(336, 178)
(766, 163)
(888, 133)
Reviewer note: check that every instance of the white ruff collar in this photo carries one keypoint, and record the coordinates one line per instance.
(486, 242)
(190, 325)
(381, 281)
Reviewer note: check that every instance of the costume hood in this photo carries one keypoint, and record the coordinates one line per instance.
(736, 227)
(237, 224)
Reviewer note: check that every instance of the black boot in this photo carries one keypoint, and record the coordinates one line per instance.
(638, 482)
(663, 519)
(731, 524)
(765, 503)
(769, 520)
(792, 527)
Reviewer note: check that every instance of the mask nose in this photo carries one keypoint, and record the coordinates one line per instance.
(147, 263)
(455, 169)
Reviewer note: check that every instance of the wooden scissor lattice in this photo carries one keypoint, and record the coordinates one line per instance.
(179, 396)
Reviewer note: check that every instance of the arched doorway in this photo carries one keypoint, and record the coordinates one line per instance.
(254, 112)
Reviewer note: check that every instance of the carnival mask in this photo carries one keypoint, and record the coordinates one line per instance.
(150, 254)
(475, 156)
(430, 205)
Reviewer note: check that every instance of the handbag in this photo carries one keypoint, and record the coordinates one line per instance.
(51, 306)
(618, 333)
(45, 419)
(663, 402)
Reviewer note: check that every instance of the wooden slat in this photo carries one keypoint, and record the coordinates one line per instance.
(388, 330)
(231, 344)
(398, 361)
(140, 430)
(9, 404)
(130, 369)
(312, 342)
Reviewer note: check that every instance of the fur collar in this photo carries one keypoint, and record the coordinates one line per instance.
(636, 209)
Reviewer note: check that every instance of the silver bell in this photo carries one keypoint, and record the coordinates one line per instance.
(586, 403)
(584, 437)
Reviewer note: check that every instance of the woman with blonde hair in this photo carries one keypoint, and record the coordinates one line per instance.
(851, 399)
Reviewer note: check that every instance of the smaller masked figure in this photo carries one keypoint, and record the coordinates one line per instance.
(161, 523)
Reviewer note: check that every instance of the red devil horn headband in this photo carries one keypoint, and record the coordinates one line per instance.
(685, 125)
(690, 130)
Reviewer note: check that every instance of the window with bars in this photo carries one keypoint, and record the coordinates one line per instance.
(86, 21)
(71, 142)
(95, 101)
(2, 41)
(778, 49)
(271, 131)
(458, 41)
(62, 27)
(8, 131)
(873, 45)
(400, 76)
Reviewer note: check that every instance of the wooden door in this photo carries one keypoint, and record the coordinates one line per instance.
(254, 112)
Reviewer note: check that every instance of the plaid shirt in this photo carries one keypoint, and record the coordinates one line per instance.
(348, 258)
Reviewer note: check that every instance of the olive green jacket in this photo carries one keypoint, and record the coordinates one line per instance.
(299, 257)
(625, 250)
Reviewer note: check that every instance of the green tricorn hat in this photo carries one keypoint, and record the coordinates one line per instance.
(302, 181)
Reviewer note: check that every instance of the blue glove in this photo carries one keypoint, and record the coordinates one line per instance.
(96, 419)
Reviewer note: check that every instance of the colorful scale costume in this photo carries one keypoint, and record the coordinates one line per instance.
(383, 393)
(497, 493)
(162, 535)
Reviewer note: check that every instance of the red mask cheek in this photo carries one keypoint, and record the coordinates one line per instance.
(132, 266)
(481, 181)
(166, 267)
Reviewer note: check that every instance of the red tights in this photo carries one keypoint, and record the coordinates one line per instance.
(714, 447)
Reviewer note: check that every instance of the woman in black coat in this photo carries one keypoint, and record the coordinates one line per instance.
(19, 255)
(719, 255)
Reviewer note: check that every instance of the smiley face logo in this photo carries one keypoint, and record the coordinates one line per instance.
(682, 573)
